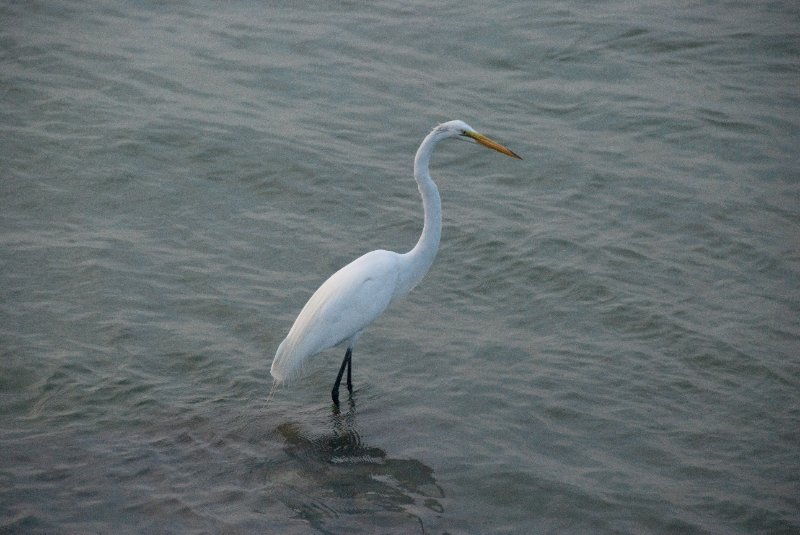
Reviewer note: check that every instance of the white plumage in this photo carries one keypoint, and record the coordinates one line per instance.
(361, 291)
(348, 301)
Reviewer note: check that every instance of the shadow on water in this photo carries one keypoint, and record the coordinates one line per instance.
(357, 487)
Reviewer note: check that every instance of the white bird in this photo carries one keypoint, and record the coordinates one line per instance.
(361, 291)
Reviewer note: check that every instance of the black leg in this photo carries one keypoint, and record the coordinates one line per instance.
(349, 371)
(345, 363)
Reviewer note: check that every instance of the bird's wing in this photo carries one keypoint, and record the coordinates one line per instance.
(346, 303)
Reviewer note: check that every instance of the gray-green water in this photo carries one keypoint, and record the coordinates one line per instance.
(607, 342)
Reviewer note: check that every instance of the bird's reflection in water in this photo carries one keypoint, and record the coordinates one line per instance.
(355, 487)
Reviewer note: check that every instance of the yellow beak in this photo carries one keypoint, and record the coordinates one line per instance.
(494, 145)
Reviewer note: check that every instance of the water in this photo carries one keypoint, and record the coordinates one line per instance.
(607, 342)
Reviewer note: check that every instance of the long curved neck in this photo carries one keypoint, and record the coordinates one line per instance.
(420, 258)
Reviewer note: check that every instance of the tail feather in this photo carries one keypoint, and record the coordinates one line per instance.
(284, 366)
(292, 355)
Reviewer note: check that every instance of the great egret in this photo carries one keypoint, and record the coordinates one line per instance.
(357, 294)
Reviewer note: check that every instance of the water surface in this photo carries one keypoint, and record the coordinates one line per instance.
(607, 342)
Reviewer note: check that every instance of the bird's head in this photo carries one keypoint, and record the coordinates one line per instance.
(461, 130)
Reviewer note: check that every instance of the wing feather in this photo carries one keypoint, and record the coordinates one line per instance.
(346, 303)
